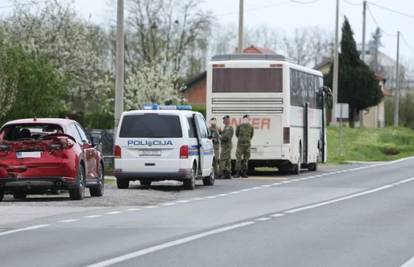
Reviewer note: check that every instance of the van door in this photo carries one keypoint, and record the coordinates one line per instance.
(206, 152)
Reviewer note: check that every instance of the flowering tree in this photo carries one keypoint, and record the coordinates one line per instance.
(151, 85)
(8, 79)
(77, 48)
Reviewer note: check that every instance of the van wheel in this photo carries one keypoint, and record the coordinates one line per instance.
(209, 180)
(19, 195)
(98, 189)
(1, 194)
(122, 184)
(312, 167)
(146, 183)
(78, 192)
(189, 184)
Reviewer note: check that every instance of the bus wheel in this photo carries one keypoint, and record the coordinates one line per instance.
(312, 167)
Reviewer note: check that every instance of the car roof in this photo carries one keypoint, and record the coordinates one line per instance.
(41, 120)
(160, 111)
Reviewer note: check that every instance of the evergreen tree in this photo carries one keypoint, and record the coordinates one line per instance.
(357, 84)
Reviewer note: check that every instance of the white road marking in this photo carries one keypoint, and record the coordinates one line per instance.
(183, 201)
(263, 219)
(114, 212)
(363, 193)
(223, 195)
(134, 209)
(35, 227)
(196, 199)
(276, 215)
(68, 221)
(168, 204)
(212, 197)
(93, 216)
(151, 207)
(166, 245)
(409, 263)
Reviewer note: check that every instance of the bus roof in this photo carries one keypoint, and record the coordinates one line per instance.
(248, 57)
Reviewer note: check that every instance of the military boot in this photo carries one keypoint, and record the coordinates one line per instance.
(244, 174)
(227, 175)
(236, 175)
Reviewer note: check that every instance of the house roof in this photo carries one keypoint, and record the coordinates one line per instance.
(194, 80)
(252, 49)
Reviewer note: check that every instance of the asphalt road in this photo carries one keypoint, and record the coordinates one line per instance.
(349, 215)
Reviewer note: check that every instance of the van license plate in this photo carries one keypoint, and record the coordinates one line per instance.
(24, 155)
(150, 153)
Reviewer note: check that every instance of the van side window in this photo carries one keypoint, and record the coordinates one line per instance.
(191, 129)
(203, 127)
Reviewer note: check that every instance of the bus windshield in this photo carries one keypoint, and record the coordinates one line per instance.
(245, 80)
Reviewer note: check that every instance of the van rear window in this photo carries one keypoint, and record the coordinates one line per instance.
(151, 126)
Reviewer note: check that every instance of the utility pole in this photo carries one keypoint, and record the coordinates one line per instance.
(120, 58)
(397, 84)
(364, 25)
(335, 67)
(241, 14)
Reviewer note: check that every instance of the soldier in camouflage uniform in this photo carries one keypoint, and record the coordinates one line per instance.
(215, 137)
(244, 133)
(226, 145)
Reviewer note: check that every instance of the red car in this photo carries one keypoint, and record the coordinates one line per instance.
(41, 155)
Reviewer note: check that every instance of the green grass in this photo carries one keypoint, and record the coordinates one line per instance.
(369, 144)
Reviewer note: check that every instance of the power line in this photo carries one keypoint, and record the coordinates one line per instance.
(376, 22)
(304, 2)
(392, 10)
(352, 4)
(406, 43)
(255, 8)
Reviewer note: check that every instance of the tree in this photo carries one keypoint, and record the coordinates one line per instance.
(78, 49)
(357, 84)
(151, 85)
(36, 88)
(8, 78)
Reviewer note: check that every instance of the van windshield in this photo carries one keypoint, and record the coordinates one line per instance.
(151, 126)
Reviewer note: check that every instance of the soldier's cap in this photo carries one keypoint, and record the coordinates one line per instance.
(226, 117)
(246, 116)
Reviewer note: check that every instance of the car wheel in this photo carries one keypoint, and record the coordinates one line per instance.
(146, 183)
(1, 194)
(189, 184)
(122, 184)
(98, 189)
(19, 195)
(313, 167)
(78, 192)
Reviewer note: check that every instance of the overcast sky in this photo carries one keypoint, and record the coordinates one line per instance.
(288, 15)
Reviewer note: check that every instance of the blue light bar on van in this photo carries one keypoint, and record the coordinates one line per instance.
(167, 107)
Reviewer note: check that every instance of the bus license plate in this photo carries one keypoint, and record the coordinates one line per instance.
(33, 154)
(150, 153)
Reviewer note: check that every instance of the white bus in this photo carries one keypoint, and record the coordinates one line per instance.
(284, 102)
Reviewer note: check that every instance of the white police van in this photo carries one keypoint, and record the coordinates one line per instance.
(163, 143)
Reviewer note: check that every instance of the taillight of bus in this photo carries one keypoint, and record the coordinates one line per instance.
(286, 135)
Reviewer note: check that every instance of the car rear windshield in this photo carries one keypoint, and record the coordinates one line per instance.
(21, 132)
(151, 126)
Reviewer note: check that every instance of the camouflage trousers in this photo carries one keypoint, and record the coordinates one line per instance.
(242, 157)
(216, 159)
(225, 159)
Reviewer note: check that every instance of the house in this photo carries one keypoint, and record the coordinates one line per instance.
(195, 91)
(373, 117)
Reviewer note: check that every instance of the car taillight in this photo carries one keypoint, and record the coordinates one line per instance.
(184, 152)
(286, 135)
(117, 151)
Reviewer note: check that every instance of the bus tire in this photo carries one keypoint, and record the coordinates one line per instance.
(313, 167)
